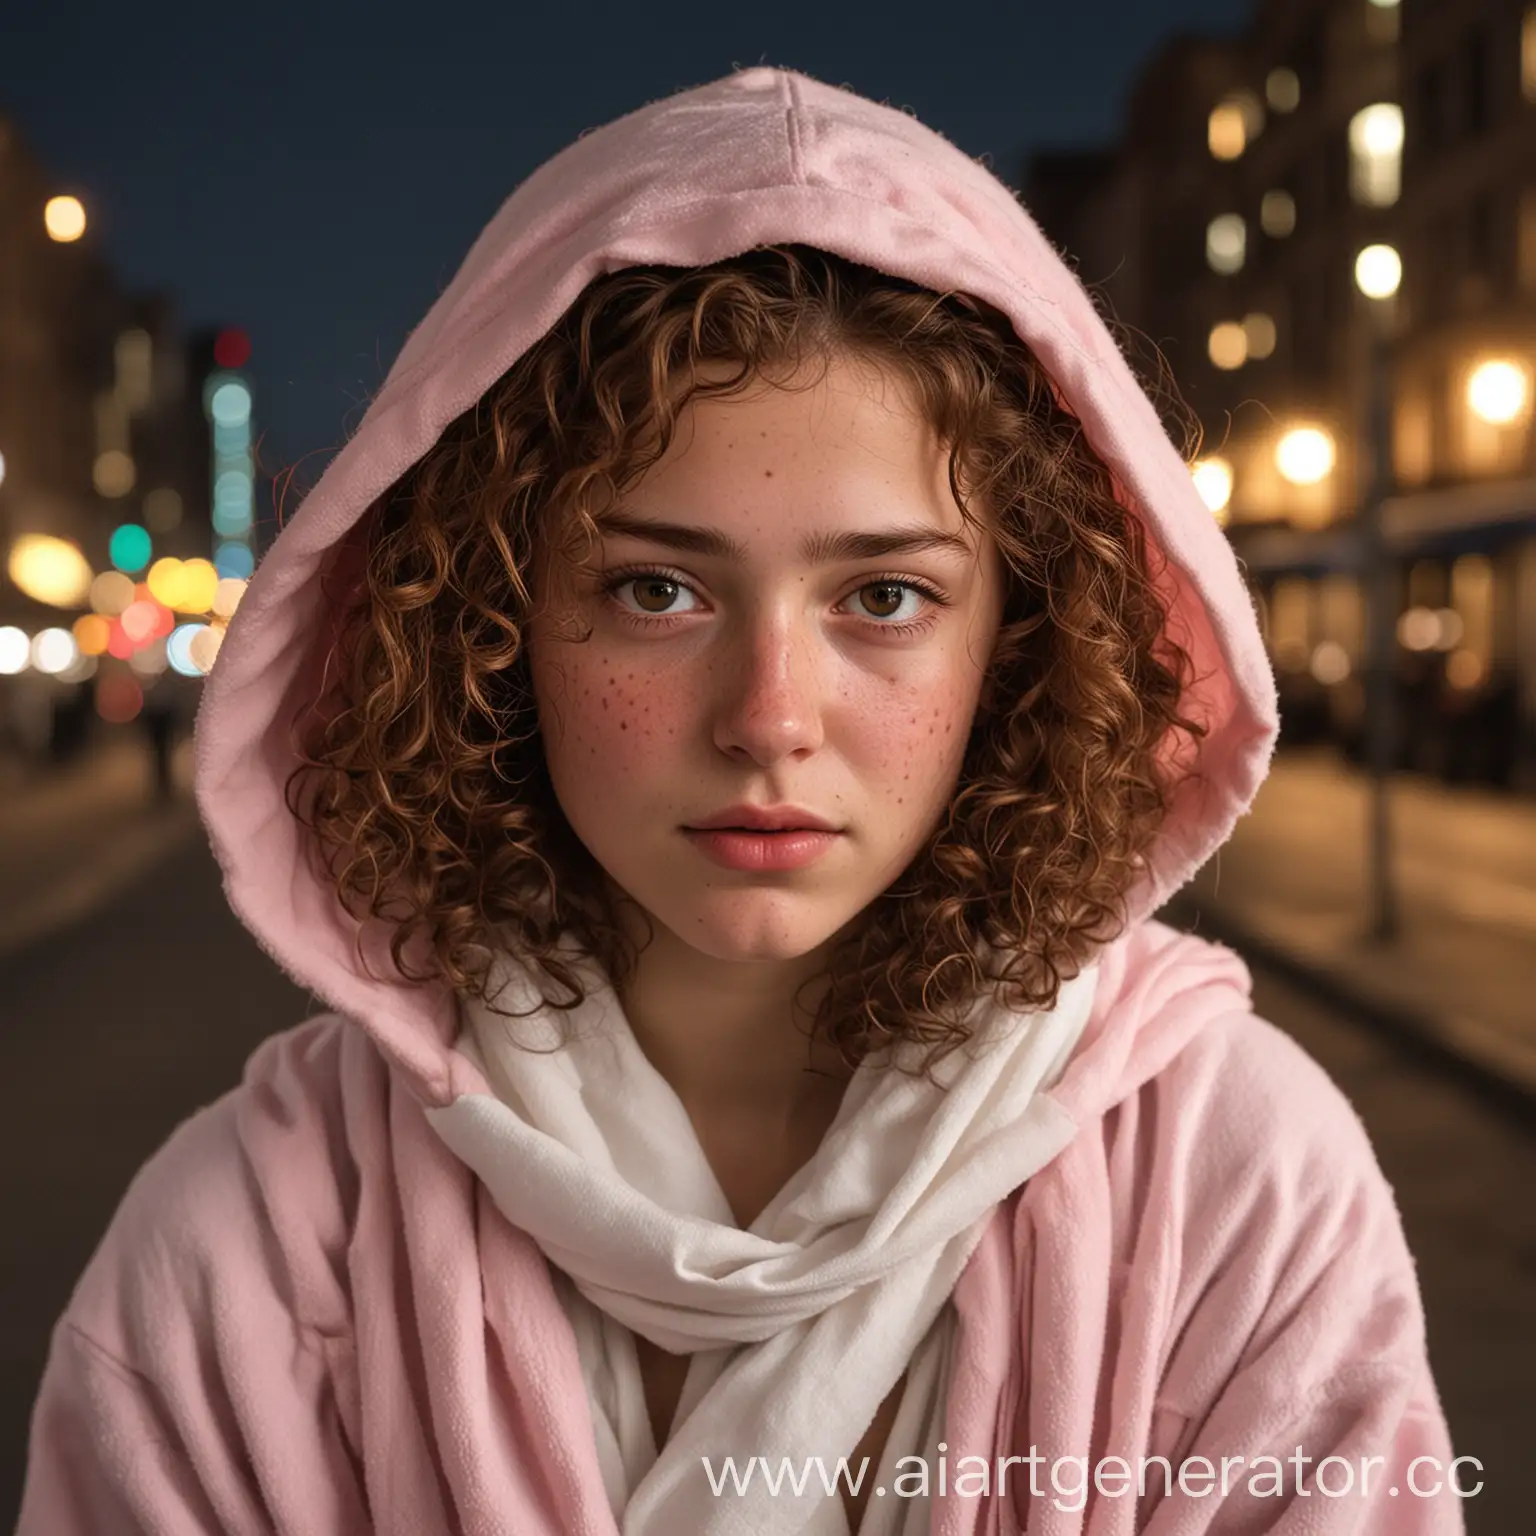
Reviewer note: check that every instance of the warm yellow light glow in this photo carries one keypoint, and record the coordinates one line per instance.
(1259, 329)
(1277, 213)
(1282, 89)
(113, 473)
(1376, 154)
(64, 219)
(91, 633)
(50, 570)
(203, 648)
(166, 581)
(199, 587)
(1226, 132)
(227, 598)
(1213, 480)
(1227, 345)
(1226, 243)
(1305, 455)
(1378, 271)
(1499, 391)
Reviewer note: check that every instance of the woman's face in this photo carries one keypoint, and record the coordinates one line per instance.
(788, 612)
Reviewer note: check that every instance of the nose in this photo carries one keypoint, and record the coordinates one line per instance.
(769, 706)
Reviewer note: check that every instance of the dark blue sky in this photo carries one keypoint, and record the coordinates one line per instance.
(314, 170)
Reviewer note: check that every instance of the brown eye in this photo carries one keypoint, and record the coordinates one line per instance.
(887, 597)
(655, 594)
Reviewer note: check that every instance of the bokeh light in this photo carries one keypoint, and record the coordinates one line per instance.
(119, 643)
(227, 598)
(119, 698)
(1378, 271)
(113, 473)
(15, 650)
(50, 570)
(1213, 480)
(165, 581)
(235, 560)
(64, 219)
(149, 660)
(1498, 392)
(111, 592)
(203, 647)
(53, 650)
(178, 649)
(230, 404)
(199, 586)
(130, 548)
(162, 510)
(1227, 345)
(1305, 455)
(92, 632)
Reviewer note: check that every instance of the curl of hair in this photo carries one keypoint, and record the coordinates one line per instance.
(422, 776)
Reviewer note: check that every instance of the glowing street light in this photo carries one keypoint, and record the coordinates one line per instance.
(1213, 480)
(64, 219)
(50, 570)
(1378, 271)
(1305, 455)
(1498, 392)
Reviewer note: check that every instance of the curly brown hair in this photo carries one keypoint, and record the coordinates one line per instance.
(422, 776)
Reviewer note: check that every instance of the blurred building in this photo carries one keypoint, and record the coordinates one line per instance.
(1259, 183)
(106, 454)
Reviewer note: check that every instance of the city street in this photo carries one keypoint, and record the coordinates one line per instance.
(118, 1028)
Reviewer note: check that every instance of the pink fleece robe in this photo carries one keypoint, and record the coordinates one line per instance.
(307, 1315)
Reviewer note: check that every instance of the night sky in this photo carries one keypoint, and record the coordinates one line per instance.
(314, 171)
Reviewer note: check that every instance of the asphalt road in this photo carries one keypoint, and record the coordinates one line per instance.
(114, 1031)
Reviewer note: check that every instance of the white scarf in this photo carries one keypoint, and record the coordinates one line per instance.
(800, 1326)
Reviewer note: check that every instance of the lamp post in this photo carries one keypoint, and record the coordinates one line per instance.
(1378, 274)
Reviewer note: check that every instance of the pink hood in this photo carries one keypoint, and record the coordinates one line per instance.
(763, 156)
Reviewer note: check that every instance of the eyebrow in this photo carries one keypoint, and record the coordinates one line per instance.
(817, 549)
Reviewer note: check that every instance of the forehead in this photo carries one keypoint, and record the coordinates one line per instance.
(839, 445)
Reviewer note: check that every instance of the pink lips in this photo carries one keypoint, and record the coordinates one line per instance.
(763, 838)
(761, 851)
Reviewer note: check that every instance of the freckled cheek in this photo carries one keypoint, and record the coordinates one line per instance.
(615, 716)
(916, 736)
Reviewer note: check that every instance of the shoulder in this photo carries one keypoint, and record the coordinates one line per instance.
(249, 1203)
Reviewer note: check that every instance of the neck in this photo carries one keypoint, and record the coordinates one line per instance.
(730, 1036)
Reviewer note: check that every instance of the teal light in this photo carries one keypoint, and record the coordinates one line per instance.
(234, 559)
(130, 548)
(230, 404)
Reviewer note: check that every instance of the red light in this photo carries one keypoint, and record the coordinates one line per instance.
(232, 349)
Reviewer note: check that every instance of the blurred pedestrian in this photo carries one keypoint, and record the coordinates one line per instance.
(159, 717)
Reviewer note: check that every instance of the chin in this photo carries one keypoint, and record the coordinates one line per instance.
(755, 926)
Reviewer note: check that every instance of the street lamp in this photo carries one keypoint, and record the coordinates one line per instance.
(1213, 480)
(1305, 455)
(64, 219)
(1498, 392)
(1378, 271)
(1378, 276)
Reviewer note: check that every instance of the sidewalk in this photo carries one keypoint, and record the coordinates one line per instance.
(1292, 886)
(72, 837)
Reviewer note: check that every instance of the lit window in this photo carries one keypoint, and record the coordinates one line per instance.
(1282, 90)
(1376, 154)
(1227, 345)
(1277, 214)
(1226, 243)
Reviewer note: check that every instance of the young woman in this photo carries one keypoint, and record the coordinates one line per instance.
(716, 737)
